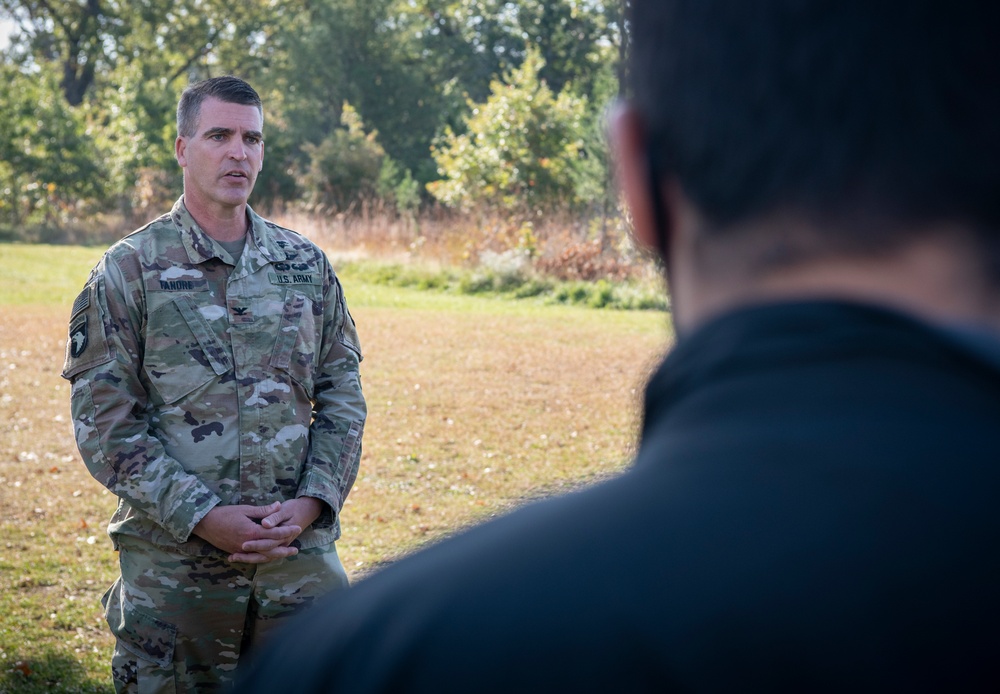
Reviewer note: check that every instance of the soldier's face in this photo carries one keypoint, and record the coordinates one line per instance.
(222, 159)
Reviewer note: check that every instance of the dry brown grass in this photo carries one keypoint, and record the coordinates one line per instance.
(562, 246)
(471, 413)
(476, 405)
(56, 560)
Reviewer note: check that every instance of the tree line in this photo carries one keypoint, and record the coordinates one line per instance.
(469, 104)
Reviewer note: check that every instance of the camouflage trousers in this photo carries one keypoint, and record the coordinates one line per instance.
(181, 623)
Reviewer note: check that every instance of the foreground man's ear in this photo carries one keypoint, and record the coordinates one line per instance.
(662, 217)
(630, 147)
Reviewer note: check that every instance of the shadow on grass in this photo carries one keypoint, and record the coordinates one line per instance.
(49, 673)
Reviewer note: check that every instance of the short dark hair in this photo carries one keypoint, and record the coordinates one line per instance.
(229, 89)
(832, 109)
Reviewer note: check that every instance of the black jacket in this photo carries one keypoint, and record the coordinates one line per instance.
(814, 506)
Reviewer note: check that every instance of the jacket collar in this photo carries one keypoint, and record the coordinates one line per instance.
(833, 332)
(261, 248)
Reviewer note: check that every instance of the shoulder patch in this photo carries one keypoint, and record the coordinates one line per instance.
(78, 338)
(82, 302)
(87, 345)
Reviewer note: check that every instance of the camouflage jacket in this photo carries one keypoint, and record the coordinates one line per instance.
(197, 383)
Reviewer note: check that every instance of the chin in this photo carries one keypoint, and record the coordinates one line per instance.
(234, 199)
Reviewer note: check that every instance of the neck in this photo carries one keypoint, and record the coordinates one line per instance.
(939, 281)
(221, 223)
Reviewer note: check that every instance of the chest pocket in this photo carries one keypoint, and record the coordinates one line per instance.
(298, 340)
(182, 353)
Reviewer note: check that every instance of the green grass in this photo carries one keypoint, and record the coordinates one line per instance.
(476, 404)
(522, 284)
(44, 275)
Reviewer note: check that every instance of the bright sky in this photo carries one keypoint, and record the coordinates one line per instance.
(6, 27)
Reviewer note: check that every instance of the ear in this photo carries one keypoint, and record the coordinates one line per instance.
(628, 140)
(180, 145)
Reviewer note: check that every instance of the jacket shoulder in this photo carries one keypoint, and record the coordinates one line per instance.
(296, 246)
(129, 252)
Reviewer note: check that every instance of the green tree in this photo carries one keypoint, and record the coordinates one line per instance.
(524, 147)
(410, 67)
(476, 41)
(48, 160)
(362, 52)
(344, 168)
(122, 66)
(175, 38)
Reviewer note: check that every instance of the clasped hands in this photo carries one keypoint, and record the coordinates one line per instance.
(259, 534)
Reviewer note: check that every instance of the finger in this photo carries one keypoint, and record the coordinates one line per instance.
(276, 518)
(263, 545)
(273, 537)
(281, 532)
(262, 511)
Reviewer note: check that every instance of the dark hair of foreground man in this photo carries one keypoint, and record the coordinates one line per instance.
(813, 504)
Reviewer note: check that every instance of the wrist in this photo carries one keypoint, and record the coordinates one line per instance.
(311, 509)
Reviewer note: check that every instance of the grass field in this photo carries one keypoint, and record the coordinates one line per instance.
(476, 405)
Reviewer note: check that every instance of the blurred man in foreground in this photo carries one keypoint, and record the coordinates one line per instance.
(813, 502)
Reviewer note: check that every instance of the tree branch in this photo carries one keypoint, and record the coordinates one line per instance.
(191, 61)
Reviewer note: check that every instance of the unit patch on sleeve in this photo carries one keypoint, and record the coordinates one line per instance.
(78, 338)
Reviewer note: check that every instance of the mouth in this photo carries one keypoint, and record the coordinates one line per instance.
(236, 175)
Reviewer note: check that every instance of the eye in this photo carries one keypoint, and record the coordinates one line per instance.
(253, 140)
(217, 137)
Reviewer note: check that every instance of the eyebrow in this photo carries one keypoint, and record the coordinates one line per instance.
(229, 131)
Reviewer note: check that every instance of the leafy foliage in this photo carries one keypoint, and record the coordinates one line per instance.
(48, 160)
(345, 166)
(523, 148)
(414, 70)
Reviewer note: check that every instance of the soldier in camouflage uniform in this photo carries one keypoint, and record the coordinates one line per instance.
(215, 391)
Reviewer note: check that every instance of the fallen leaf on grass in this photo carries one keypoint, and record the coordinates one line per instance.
(22, 667)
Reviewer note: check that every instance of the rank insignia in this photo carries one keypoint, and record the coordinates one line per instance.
(239, 312)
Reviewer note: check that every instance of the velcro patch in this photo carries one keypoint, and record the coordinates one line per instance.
(295, 278)
(82, 302)
(240, 312)
(177, 285)
(78, 338)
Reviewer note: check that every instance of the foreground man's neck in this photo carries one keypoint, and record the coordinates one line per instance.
(942, 283)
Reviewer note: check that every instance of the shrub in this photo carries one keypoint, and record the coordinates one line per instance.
(523, 149)
(345, 167)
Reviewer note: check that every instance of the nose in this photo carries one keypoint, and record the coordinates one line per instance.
(237, 149)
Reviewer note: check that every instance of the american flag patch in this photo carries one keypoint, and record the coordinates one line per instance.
(82, 302)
